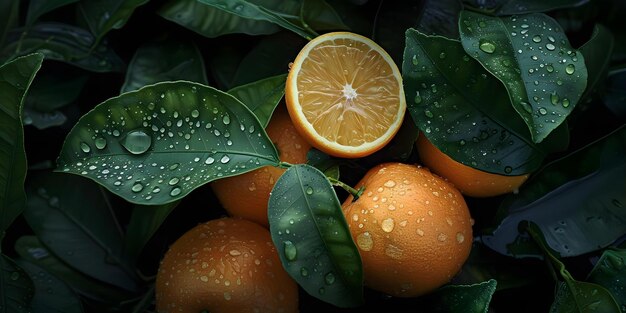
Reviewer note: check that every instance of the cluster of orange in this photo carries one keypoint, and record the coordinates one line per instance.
(413, 229)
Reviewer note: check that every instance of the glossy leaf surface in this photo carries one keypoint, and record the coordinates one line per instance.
(262, 96)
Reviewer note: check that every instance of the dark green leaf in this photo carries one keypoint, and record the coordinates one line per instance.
(399, 148)
(615, 98)
(324, 162)
(29, 248)
(319, 15)
(392, 20)
(144, 222)
(15, 78)
(157, 144)
(87, 239)
(51, 91)
(464, 298)
(104, 15)
(262, 96)
(223, 64)
(262, 12)
(17, 288)
(166, 60)
(43, 120)
(446, 96)
(440, 18)
(65, 43)
(9, 14)
(544, 76)
(310, 232)
(51, 294)
(511, 7)
(577, 202)
(37, 8)
(610, 272)
(597, 52)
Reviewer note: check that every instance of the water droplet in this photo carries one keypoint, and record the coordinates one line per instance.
(290, 250)
(137, 187)
(537, 38)
(554, 98)
(550, 47)
(137, 142)
(309, 190)
(389, 184)
(565, 102)
(442, 55)
(487, 46)
(550, 68)
(304, 272)
(209, 160)
(543, 111)
(524, 25)
(100, 143)
(418, 98)
(460, 237)
(224, 159)
(526, 107)
(570, 69)
(329, 279)
(195, 113)
(428, 113)
(173, 181)
(364, 241)
(414, 60)
(322, 290)
(226, 119)
(442, 237)
(85, 147)
(387, 224)
(508, 169)
(175, 192)
(15, 276)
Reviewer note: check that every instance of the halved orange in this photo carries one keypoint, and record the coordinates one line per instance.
(344, 95)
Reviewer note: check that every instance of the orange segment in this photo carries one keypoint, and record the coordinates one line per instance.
(344, 94)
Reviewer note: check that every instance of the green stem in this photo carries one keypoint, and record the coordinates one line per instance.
(355, 193)
(284, 165)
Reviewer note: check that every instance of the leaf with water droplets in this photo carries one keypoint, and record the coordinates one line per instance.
(577, 201)
(181, 130)
(463, 110)
(15, 79)
(17, 288)
(473, 298)
(164, 60)
(544, 76)
(87, 238)
(610, 272)
(64, 43)
(512, 7)
(51, 294)
(314, 243)
(103, 16)
(262, 96)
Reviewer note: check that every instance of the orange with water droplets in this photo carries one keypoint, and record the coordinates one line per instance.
(470, 181)
(412, 228)
(224, 265)
(247, 195)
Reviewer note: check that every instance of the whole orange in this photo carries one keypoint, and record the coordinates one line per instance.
(224, 265)
(412, 228)
(470, 181)
(247, 195)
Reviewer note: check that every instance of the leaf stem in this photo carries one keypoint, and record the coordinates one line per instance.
(355, 193)
(284, 165)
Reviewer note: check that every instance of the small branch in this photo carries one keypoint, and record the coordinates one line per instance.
(355, 193)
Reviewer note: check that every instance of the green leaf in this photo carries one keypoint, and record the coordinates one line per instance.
(512, 7)
(144, 222)
(310, 232)
(440, 18)
(15, 78)
(103, 16)
(615, 98)
(54, 90)
(87, 239)
(37, 8)
(530, 54)
(65, 43)
(157, 144)
(212, 22)
(610, 272)
(247, 9)
(576, 201)
(324, 162)
(31, 249)
(572, 295)
(17, 288)
(9, 15)
(464, 298)
(446, 96)
(319, 15)
(51, 294)
(165, 60)
(262, 96)
(597, 52)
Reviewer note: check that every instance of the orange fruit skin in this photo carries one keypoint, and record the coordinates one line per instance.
(247, 195)
(224, 265)
(412, 228)
(470, 181)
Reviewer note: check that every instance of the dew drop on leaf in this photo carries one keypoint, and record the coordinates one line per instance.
(137, 187)
(329, 279)
(85, 147)
(100, 143)
(175, 192)
(487, 46)
(290, 250)
(137, 142)
(570, 69)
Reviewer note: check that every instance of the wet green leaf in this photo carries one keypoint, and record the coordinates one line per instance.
(157, 144)
(144, 222)
(51, 294)
(17, 288)
(319, 15)
(446, 96)
(615, 99)
(597, 52)
(65, 43)
(32, 250)
(511, 7)
(37, 8)
(54, 90)
(530, 54)
(464, 298)
(262, 96)
(324, 162)
(440, 18)
(165, 60)
(15, 79)
(9, 14)
(312, 237)
(576, 201)
(610, 272)
(88, 239)
(103, 16)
